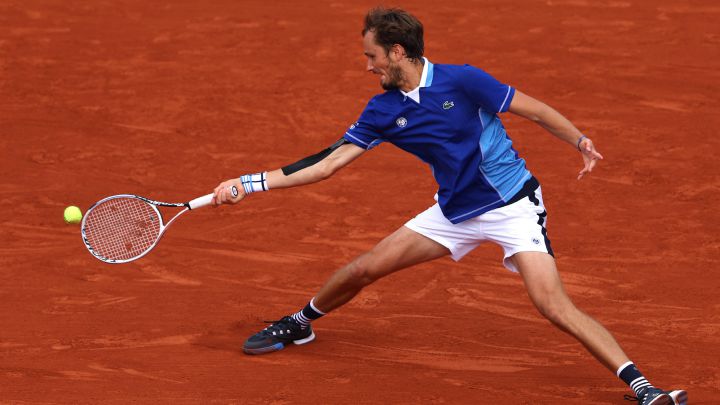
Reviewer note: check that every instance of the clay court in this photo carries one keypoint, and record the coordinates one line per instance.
(166, 99)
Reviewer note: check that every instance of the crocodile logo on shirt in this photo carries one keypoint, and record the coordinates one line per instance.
(448, 105)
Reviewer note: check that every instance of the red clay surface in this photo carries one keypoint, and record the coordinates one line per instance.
(166, 99)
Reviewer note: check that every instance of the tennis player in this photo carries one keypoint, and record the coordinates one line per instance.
(448, 116)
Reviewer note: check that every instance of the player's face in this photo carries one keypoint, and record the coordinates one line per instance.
(380, 63)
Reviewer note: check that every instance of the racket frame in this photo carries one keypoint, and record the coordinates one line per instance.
(196, 203)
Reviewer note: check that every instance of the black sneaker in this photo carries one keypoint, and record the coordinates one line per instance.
(653, 396)
(277, 335)
(679, 396)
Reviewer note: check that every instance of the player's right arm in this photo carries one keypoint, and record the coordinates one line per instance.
(361, 136)
(311, 169)
(314, 168)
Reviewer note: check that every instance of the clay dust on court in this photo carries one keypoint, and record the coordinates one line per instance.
(167, 99)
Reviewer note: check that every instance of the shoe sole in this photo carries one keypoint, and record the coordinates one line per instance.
(679, 397)
(306, 340)
(263, 350)
(278, 346)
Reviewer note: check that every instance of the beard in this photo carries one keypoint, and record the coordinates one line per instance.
(393, 79)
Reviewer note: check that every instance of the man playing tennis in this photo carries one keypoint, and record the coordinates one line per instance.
(447, 115)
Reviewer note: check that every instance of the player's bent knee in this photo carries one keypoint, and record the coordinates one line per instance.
(558, 314)
(359, 273)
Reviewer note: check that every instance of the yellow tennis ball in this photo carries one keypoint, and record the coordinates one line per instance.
(73, 215)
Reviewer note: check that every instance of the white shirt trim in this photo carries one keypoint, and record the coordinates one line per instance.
(505, 100)
(415, 93)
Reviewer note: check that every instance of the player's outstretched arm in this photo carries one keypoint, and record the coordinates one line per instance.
(308, 170)
(555, 123)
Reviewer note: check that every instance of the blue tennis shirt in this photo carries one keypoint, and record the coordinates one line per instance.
(450, 122)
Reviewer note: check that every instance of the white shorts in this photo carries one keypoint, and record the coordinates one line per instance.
(517, 227)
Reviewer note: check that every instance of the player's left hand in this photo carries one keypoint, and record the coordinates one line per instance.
(590, 156)
(223, 194)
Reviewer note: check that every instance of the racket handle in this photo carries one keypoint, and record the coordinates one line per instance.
(201, 201)
(208, 199)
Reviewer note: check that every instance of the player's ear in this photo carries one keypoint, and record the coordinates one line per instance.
(397, 52)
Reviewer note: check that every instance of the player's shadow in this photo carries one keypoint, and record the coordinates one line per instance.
(230, 339)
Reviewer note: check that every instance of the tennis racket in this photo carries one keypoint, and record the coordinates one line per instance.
(125, 227)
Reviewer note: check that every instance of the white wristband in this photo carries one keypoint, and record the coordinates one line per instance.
(252, 183)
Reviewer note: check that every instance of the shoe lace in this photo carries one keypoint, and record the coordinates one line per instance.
(280, 324)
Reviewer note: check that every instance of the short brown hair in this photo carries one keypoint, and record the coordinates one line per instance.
(395, 26)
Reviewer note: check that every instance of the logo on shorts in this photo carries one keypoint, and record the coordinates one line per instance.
(401, 122)
(448, 105)
(536, 241)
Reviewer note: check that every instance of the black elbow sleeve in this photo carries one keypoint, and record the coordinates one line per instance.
(313, 159)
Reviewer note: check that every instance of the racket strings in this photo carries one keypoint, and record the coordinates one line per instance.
(122, 228)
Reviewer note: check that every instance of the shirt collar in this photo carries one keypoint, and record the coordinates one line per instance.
(425, 81)
(427, 73)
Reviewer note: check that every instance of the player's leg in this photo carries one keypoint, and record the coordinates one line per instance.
(402, 249)
(520, 228)
(546, 291)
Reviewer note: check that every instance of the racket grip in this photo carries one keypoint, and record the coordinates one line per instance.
(201, 201)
